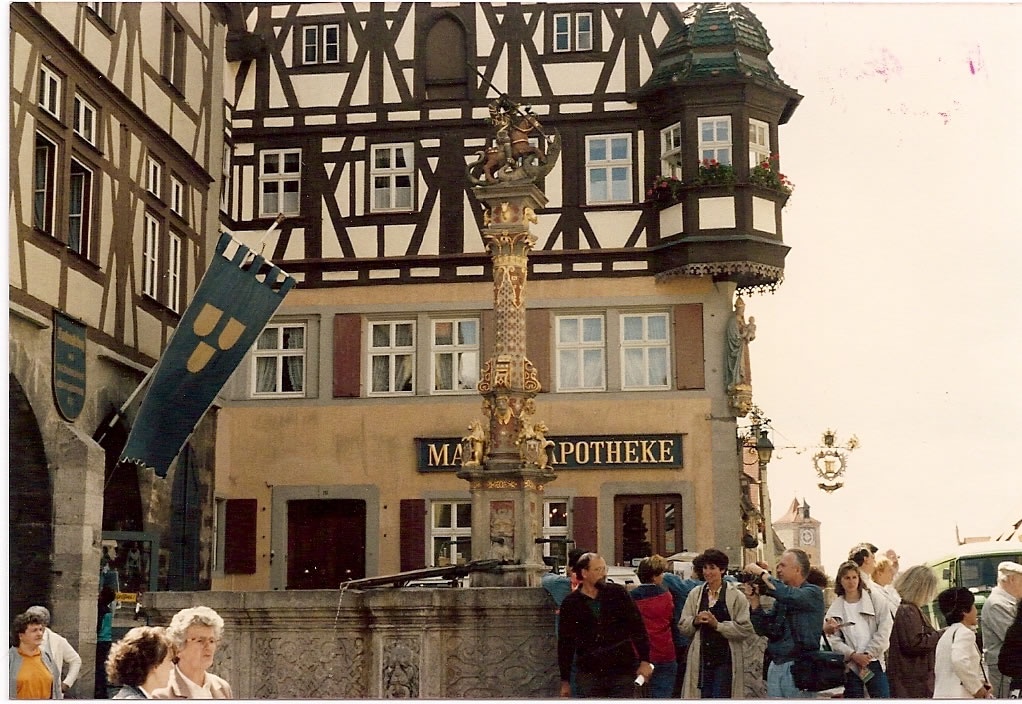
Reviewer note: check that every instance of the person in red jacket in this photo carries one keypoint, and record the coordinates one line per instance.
(657, 608)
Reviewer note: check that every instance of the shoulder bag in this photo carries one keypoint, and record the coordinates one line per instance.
(817, 670)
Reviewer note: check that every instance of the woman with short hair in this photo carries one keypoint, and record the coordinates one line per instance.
(33, 674)
(719, 613)
(913, 639)
(858, 625)
(195, 634)
(958, 667)
(140, 662)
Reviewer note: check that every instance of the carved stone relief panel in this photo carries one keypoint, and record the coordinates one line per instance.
(399, 676)
(303, 666)
(516, 664)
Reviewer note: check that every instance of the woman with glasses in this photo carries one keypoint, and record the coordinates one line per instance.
(195, 634)
(958, 668)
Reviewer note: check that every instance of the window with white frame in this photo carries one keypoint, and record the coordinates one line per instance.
(670, 151)
(645, 351)
(279, 354)
(177, 196)
(280, 176)
(715, 139)
(43, 183)
(392, 357)
(84, 122)
(174, 272)
(609, 168)
(580, 353)
(321, 44)
(555, 527)
(150, 256)
(392, 170)
(455, 355)
(573, 31)
(759, 142)
(79, 208)
(450, 534)
(153, 175)
(49, 91)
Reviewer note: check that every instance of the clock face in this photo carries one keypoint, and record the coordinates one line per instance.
(807, 536)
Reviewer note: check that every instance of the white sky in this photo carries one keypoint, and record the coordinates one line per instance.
(897, 319)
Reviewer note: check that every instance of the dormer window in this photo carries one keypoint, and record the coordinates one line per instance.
(715, 139)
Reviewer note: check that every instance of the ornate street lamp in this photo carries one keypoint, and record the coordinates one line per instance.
(764, 451)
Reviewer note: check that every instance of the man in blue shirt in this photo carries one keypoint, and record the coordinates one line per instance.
(795, 623)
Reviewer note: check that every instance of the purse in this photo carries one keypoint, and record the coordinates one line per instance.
(818, 670)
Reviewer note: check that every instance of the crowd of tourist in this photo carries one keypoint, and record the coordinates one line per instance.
(701, 637)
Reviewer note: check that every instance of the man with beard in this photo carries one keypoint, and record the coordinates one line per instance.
(602, 630)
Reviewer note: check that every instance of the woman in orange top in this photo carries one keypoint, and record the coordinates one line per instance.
(33, 673)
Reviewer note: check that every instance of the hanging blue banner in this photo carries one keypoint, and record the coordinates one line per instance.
(233, 303)
(68, 365)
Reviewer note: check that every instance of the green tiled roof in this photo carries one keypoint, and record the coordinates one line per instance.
(715, 40)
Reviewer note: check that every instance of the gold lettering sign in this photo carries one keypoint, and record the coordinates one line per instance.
(573, 452)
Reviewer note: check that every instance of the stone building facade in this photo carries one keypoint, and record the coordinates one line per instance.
(116, 151)
(340, 435)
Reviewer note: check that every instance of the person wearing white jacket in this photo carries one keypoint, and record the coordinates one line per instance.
(958, 669)
(858, 625)
(59, 649)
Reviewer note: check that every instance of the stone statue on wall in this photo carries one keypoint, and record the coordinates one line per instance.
(737, 368)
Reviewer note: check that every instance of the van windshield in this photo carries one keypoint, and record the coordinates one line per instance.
(980, 573)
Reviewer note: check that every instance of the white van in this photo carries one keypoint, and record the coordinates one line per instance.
(973, 566)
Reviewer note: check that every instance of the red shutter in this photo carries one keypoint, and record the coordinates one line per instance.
(537, 340)
(347, 355)
(240, 536)
(413, 534)
(688, 346)
(583, 526)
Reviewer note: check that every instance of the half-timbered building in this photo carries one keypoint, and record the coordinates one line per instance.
(116, 153)
(339, 440)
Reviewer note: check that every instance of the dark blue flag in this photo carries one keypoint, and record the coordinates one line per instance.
(235, 299)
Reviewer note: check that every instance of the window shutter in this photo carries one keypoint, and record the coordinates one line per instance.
(347, 355)
(688, 346)
(537, 336)
(240, 536)
(413, 534)
(583, 522)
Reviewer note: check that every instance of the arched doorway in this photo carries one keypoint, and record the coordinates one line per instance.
(31, 507)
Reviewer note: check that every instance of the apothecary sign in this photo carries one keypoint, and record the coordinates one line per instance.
(572, 452)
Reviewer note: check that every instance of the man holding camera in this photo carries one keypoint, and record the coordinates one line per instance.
(795, 623)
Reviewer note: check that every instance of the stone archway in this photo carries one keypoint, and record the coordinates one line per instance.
(31, 507)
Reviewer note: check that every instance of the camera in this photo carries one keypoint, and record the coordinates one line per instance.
(741, 576)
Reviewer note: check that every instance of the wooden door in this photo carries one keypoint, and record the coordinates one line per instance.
(326, 542)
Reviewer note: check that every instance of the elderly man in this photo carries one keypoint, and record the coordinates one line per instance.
(999, 613)
(59, 650)
(795, 623)
(610, 649)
